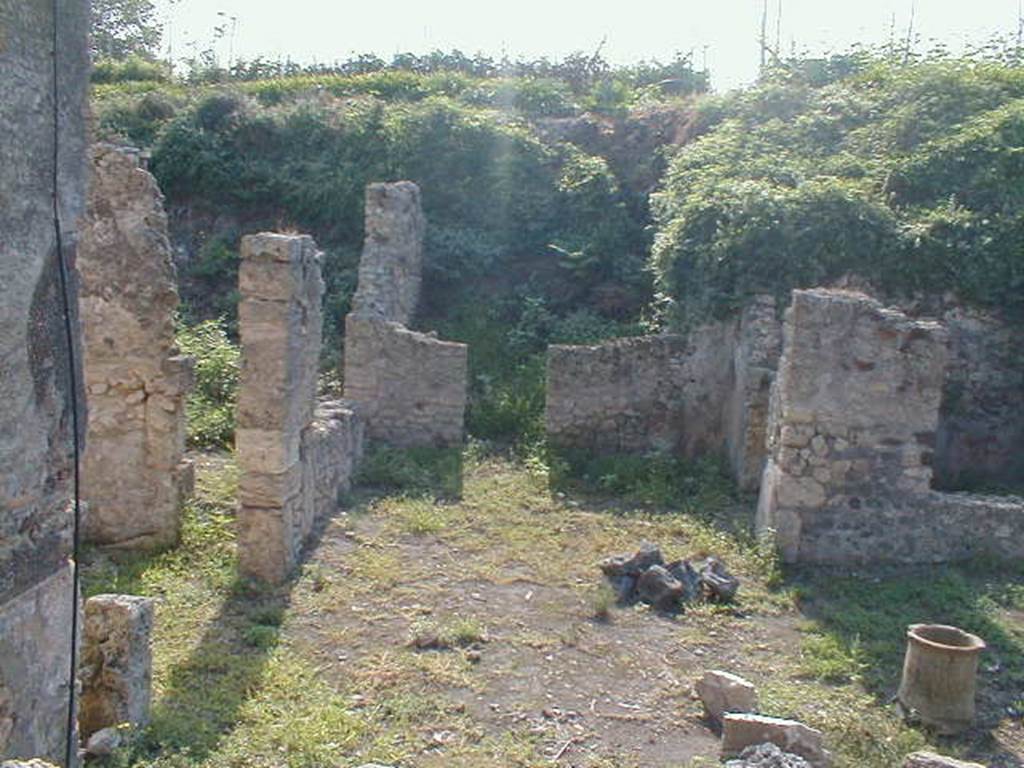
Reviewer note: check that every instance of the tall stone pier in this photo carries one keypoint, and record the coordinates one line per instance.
(36, 598)
(410, 386)
(135, 476)
(295, 457)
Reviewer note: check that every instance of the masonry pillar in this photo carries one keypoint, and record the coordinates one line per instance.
(279, 320)
(135, 475)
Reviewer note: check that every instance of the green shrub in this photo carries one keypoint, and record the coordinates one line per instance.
(211, 405)
(134, 68)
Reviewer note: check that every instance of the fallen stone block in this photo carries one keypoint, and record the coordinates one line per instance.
(632, 565)
(116, 668)
(767, 756)
(103, 742)
(740, 731)
(933, 760)
(719, 583)
(659, 588)
(722, 692)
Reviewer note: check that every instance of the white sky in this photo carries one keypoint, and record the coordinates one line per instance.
(329, 30)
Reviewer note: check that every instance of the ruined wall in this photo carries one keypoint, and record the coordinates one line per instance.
(280, 437)
(391, 267)
(410, 387)
(703, 393)
(853, 421)
(981, 422)
(36, 601)
(134, 475)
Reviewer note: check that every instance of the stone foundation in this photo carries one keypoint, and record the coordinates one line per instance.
(852, 436)
(135, 477)
(36, 441)
(704, 393)
(410, 387)
(281, 438)
(116, 665)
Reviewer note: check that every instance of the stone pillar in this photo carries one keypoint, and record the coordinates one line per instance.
(36, 598)
(279, 318)
(391, 267)
(852, 428)
(135, 476)
(116, 666)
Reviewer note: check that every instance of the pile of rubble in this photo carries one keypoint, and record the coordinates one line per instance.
(646, 577)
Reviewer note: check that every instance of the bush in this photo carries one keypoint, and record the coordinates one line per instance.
(211, 405)
(907, 176)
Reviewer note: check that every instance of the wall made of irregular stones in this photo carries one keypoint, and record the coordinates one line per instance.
(295, 459)
(703, 393)
(411, 387)
(391, 267)
(135, 476)
(36, 600)
(853, 427)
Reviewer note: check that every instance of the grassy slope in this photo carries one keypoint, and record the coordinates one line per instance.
(321, 673)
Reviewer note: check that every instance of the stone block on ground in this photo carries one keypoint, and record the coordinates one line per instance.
(933, 760)
(116, 662)
(740, 731)
(722, 692)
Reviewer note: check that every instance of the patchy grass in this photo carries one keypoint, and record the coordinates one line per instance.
(543, 668)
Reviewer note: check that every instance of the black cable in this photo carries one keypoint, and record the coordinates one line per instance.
(71, 750)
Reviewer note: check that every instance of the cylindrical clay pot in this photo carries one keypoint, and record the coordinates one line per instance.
(939, 676)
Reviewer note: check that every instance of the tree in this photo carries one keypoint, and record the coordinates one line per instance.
(123, 28)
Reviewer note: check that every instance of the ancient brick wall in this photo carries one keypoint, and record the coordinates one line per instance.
(852, 435)
(36, 600)
(294, 459)
(703, 393)
(135, 476)
(410, 387)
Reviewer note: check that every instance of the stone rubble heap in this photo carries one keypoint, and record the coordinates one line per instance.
(645, 577)
(767, 756)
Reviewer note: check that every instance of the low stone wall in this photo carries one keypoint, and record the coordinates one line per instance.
(410, 387)
(294, 460)
(704, 393)
(981, 422)
(135, 477)
(852, 436)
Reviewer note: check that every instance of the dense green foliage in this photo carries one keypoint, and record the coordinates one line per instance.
(906, 175)
(124, 28)
(548, 228)
(211, 404)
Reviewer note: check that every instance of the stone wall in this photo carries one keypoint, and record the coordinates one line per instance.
(36, 599)
(703, 393)
(852, 435)
(280, 436)
(981, 422)
(410, 387)
(135, 476)
(391, 267)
